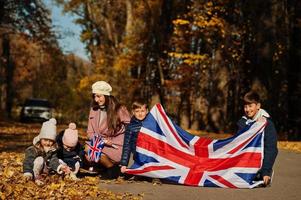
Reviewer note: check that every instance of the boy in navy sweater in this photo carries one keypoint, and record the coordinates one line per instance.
(139, 111)
(253, 112)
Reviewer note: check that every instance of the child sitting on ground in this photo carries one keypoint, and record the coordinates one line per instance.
(253, 112)
(41, 157)
(139, 111)
(70, 151)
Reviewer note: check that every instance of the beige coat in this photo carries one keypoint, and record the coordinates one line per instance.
(97, 125)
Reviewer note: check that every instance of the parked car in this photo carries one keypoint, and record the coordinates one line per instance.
(36, 110)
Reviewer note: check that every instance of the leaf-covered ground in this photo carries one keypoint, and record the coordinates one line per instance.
(15, 137)
(291, 146)
(14, 186)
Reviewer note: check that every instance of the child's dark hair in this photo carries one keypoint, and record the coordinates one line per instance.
(251, 97)
(138, 103)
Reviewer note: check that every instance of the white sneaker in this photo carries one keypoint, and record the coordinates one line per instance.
(72, 176)
(39, 181)
(272, 176)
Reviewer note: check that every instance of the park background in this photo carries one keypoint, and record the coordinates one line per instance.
(197, 58)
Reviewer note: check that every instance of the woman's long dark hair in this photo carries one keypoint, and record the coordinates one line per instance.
(112, 106)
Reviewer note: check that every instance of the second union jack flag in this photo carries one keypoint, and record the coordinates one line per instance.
(95, 146)
(166, 151)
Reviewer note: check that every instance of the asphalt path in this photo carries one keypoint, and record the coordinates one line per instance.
(286, 185)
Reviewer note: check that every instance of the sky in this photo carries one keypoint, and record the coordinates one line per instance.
(70, 32)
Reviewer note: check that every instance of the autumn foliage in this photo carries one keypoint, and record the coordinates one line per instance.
(197, 58)
(14, 138)
(14, 186)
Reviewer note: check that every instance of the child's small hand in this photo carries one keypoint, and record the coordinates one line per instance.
(66, 169)
(87, 158)
(123, 169)
(86, 148)
(266, 180)
(86, 153)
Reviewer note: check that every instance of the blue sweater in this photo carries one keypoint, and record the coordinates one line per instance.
(270, 146)
(130, 139)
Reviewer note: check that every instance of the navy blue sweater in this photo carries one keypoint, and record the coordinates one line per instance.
(270, 146)
(130, 139)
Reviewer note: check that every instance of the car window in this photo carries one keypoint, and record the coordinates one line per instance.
(37, 102)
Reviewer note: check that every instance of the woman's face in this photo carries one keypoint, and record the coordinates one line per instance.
(100, 99)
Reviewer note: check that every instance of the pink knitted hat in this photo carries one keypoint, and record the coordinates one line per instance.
(70, 137)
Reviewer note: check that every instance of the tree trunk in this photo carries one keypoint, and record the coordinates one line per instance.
(7, 87)
(184, 110)
(294, 72)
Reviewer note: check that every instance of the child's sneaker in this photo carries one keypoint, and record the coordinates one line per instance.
(39, 181)
(111, 173)
(156, 181)
(271, 179)
(92, 170)
(73, 176)
(27, 176)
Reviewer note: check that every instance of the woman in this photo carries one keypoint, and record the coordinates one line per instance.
(107, 119)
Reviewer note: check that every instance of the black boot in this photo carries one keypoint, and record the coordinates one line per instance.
(111, 173)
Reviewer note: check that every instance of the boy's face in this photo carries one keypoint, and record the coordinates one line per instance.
(251, 109)
(140, 113)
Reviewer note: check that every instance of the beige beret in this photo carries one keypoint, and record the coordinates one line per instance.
(101, 87)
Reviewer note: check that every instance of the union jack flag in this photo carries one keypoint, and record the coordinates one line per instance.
(166, 151)
(95, 146)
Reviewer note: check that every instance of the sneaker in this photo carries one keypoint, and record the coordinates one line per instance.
(271, 179)
(90, 171)
(39, 181)
(111, 173)
(156, 181)
(72, 176)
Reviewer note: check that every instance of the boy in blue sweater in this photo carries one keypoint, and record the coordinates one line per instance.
(253, 112)
(139, 111)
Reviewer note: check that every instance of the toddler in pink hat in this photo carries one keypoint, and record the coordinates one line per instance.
(70, 151)
(70, 137)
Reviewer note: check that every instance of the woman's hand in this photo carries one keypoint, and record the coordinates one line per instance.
(108, 142)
